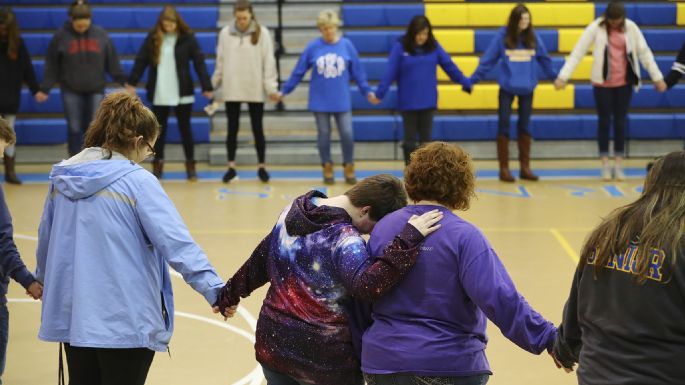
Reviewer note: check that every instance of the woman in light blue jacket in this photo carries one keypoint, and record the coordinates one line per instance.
(106, 238)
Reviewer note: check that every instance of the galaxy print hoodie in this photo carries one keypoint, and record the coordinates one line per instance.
(316, 262)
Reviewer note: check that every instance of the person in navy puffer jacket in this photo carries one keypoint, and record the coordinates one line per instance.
(412, 64)
(519, 50)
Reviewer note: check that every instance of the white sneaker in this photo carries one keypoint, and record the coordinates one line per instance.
(606, 173)
(620, 175)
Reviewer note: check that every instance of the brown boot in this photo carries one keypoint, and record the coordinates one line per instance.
(190, 170)
(328, 177)
(157, 167)
(503, 158)
(526, 173)
(10, 174)
(349, 173)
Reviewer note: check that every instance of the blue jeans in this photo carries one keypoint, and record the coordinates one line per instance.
(411, 379)
(277, 378)
(79, 109)
(4, 335)
(504, 113)
(323, 125)
(612, 103)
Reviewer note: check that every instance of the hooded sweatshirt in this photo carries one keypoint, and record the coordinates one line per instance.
(622, 332)
(316, 260)
(79, 61)
(105, 240)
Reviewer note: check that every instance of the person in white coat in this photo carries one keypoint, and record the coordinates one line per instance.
(246, 73)
(619, 48)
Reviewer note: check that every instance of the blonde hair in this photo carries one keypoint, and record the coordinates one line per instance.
(328, 17)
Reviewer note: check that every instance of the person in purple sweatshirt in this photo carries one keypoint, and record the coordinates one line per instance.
(431, 327)
(316, 261)
(412, 63)
(623, 321)
(11, 264)
(334, 61)
(520, 51)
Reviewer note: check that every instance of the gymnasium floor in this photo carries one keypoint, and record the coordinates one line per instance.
(536, 228)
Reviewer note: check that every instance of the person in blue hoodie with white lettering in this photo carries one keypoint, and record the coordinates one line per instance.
(105, 242)
(335, 60)
(519, 51)
(412, 63)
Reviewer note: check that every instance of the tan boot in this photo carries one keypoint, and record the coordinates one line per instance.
(10, 174)
(503, 158)
(524, 143)
(157, 167)
(349, 174)
(328, 177)
(191, 174)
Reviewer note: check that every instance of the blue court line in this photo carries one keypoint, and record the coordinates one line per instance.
(588, 173)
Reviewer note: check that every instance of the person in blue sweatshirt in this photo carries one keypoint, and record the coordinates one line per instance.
(335, 60)
(106, 239)
(519, 51)
(11, 264)
(412, 63)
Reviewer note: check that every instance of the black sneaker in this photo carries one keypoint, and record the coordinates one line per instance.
(263, 175)
(229, 175)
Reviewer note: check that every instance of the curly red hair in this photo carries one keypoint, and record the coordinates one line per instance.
(443, 173)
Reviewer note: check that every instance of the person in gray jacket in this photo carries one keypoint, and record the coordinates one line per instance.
(79, 56)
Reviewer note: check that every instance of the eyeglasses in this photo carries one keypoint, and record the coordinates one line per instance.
(151, 150)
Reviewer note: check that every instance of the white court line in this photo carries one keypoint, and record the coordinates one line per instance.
(255, 376)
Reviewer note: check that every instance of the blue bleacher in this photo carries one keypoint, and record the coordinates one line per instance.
(127, 65)
(645, 13)
(543, 127)
(54, 131)
(647, 97)
(54, 102)
(483, 38)
(116, 17)
(125, 43)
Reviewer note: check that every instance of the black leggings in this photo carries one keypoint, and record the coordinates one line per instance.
(96, 366)
(183, 112)
(256, 116)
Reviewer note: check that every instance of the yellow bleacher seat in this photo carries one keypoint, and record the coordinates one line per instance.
(485, 97)
(568, 37)
(457, 40)
(468, 64)
(681, 13)
(497, 14)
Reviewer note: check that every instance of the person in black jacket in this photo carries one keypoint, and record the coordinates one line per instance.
(168, 51)
(678, 69)
(79, 56)
(15, 69)
(11, 264)
(623, 321)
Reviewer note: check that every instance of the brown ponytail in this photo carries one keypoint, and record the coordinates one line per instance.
(245, 5)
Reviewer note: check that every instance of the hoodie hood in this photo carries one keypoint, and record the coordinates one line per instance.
(305, 217)
(88, 172)
(233, 30)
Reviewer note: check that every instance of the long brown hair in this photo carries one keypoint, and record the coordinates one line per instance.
(119, 120)
(169, 13)
(9, 21)
(245, 5)
(417, 24)
(513, 34)
(656, 221)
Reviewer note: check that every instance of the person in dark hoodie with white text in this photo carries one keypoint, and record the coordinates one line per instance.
(317, 262)
(79, 56)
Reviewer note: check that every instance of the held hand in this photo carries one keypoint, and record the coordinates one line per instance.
(559, 84)
(426, 223)
(660, 86)
(276, 97)
(371, 97)
(229, 312)
(35, 290)
(208, 94)
(559, 365)
(41, 96)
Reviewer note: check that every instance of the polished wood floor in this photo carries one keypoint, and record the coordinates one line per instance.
(536, 228)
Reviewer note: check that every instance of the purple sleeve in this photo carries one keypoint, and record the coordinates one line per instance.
(489, 286)
(252, 275)
(370, 278)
